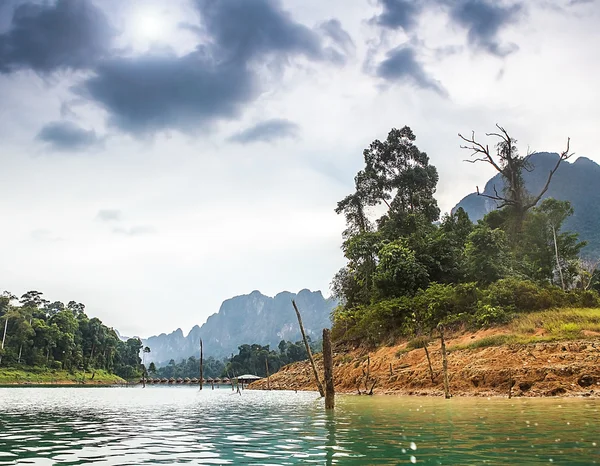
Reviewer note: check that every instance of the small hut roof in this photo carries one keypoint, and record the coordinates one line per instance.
(249, 377)
(194, 380)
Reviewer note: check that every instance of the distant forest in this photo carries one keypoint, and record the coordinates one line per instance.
(38, 333)
(251, 359)
(42, 334)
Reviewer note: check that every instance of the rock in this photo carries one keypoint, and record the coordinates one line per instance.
(524, 386)
(586, 380)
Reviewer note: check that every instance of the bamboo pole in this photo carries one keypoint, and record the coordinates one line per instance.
(201, 365)
(312, 361)
(328, 370)
(444, 362)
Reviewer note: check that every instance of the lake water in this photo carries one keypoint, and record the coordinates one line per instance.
(167, 425)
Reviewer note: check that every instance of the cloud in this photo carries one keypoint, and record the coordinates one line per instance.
(68, 34)
(243, 30)
(65, 136)
(140, 230)
(401, 65)
(157, 92)
(484, 20)
(399, 14)
(44, 235)
(109, 215)
(342, 44)
(150, 93)
(267, 131)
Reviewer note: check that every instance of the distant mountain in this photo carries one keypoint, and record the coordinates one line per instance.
(252, 318)
(577, 182)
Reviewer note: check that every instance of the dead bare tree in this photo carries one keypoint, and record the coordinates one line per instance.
(444, 362)
(587, 272)
(307, 346)
(510, 165)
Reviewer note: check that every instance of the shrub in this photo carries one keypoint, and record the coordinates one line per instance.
(487, 315)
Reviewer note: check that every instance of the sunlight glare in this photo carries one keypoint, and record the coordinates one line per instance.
(149, 26)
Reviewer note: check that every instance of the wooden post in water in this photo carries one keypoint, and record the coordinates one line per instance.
(444, 362)
(312, 361)
(268, 376)
(201, 365)
(328, 370)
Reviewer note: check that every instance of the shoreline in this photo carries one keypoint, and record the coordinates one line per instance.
(545, 369)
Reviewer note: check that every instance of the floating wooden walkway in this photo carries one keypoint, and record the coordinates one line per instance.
(186, 381)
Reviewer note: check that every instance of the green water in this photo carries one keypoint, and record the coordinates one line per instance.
(167, 425)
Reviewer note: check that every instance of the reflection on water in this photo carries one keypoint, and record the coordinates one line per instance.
(166, 425)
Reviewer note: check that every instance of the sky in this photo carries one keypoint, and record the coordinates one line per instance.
(160, 157)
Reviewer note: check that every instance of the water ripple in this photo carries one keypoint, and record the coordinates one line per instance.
(167, 425)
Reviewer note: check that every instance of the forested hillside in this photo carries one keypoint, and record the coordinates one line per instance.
(43, 334)
(409, 271)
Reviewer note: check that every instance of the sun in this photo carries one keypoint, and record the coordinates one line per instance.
(149, 26)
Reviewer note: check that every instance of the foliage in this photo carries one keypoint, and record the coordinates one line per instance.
(251, 359)
(406, 273)
(55, 336)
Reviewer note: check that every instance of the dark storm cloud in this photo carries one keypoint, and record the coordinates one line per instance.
(45, 37)
(399, 14)
(65, 136)
(267, 131)
(150, 93)
(483, 20)
(401, 65)
(243, 30)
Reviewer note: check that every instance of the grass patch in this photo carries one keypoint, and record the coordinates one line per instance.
(418, 342)
(539, 327)
(568, 323)
(35, 375)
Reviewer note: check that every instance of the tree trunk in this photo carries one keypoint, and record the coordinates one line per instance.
(562, 280)
(312, 361)
(4, 336)
(328, 370)
(201, 364)
(429, 362)
(444, 362)
(20, 350)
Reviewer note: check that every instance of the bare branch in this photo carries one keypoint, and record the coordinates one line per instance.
(565, 155)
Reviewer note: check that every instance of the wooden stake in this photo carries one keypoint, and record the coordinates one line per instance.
(312, 361)
(268, 377)
(201, 364)
(328, 370)
(444, 362)
(429, 362)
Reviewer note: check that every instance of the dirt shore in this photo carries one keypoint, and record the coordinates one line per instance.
(568, 368)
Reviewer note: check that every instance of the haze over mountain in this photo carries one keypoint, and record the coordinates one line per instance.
(251, 318)
(577, 182)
